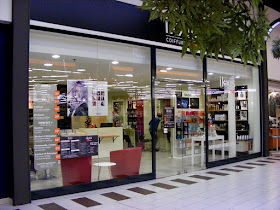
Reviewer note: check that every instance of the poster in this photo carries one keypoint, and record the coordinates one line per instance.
(169, 117)
(98, 98)
(78, 146)
(77, 98)
(87, 98)
(44, 127)
(241, 95)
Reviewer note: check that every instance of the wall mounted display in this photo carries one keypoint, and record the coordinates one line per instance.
(241, 95)
(169, 117)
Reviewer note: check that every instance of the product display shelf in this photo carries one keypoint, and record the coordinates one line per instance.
(218, 110)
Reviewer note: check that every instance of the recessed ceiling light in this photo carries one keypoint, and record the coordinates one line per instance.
(237, 77)
(210, 73)
(163, 70)
(56, 56)
(81, 70)
(48, 64)
(169, 68)
(115, 62)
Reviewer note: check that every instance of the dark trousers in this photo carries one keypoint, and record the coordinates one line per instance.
(156, 137)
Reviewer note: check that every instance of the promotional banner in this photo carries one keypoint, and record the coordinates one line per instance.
(45, 126)
(98, 98)
(169, 117)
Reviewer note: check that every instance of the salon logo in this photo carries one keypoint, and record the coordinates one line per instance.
(170, 38)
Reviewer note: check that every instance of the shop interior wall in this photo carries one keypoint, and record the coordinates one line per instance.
(5, 111)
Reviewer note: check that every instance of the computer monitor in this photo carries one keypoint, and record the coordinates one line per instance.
(102, 125)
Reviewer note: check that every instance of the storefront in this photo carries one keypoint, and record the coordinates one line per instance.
(113, 102)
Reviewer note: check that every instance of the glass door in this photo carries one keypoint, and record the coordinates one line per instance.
(179, 109)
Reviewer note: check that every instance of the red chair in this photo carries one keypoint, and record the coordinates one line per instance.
(127, 162)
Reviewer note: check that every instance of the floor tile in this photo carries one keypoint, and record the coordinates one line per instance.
(115, 196)
(256, 164)
(247, 167)
(202, 177)
(183, 181)
(229, 169)
(86, 202)
(141, 190)
(217, 173)
(265, 161)
(51, 206)
(165, 186)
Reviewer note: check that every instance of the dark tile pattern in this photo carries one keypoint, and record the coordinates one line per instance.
(229, 169)
(256, 164)
(115, 196)
(217, 173)
(51, 206)
(272, 159)
(165, 186)
(183, 181)
(248, 167)
(141, 190)
(265, 161)
(202, 177)
(86, 202)
(276, 155)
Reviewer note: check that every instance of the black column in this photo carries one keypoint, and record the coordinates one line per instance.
(206, 109)
(153, 77)
(20, 127)
(264, 105)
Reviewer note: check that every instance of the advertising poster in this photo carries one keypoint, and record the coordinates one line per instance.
(98, 98)
(78, 146)
(77, 98)
(169, 117)
(45, 124)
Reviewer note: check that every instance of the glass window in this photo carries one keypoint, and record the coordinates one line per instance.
(233, 109)
(89, 110)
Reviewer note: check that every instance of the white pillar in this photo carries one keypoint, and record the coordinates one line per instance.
(231, 118)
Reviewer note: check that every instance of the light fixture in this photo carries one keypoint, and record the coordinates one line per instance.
(115, 62)
(129, 75)
(210, 73)
(237, 77)
(81, 70)
(55, 56)
(190, 84)
(163, 70)
(48, 64)
(169, 68)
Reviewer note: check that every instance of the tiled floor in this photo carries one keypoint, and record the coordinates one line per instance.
(235, 186)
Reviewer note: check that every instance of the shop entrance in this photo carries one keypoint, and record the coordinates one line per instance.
(180, 147)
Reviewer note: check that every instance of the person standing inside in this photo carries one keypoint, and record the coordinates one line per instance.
(157, 122)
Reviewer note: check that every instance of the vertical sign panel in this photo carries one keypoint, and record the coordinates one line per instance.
(45, 127)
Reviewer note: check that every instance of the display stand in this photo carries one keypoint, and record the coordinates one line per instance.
(76, 171)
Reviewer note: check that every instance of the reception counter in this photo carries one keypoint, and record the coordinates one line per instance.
(110, 139)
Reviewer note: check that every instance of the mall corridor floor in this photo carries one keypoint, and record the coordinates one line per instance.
(251, 184)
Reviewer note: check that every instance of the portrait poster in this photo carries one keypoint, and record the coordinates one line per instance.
(243, 105)
(77, 98)
(243, 115)
(241, 95)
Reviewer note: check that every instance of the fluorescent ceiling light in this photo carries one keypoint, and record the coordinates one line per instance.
(129, 75)
(163, 70)
(119, 75)
(41, 69)
(48, 64)
(169, 68)
(62, 71)
(76, 72)
(56, 56)
(190, 84)
(81, 70)
(237, 77)
(210, 73)
(60, 76)
(115, 62)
